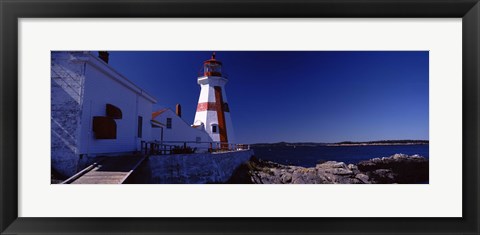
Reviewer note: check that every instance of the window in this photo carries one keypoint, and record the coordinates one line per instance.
(214, 128)
(139, 128)
(169, 123)
(113, 111)
(104, 127)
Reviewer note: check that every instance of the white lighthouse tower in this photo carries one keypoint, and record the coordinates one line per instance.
(212, 109)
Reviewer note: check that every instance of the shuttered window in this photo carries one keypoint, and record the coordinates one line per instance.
(104, 128)
(113, 111)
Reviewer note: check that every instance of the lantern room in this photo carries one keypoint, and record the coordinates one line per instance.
(212, 67)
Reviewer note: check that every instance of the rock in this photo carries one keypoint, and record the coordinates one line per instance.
(286, 178)
(341, 171)
(398, 168)
(362, 177)
(340, 165)
(331, 164)
(276, 172)
(383, 176)
(299, 181)
(416, 156)
(397, 157)
(348, 181)
(353, 168)
(277, 180)
(296, 174)
(312, 177)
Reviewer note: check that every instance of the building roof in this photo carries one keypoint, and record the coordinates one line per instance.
(163, 111)
(157, 113)
(93, 60)
(156, 123)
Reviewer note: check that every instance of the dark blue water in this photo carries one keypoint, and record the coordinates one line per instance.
(309, 156)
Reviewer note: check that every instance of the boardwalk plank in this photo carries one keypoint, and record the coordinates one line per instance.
(111, 170)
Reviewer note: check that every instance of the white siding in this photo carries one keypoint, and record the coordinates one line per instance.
(207, 94)
(181, 131)
(145, 110)
(156, 133)
(81, 86)
(209, 117)
(102, 89)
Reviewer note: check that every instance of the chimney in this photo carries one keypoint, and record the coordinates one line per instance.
(103, 55)
(178, 110)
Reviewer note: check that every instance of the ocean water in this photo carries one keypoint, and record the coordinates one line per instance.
(307, 156)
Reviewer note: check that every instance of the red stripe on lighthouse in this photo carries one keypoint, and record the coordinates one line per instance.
(222, 126)
(211, 106)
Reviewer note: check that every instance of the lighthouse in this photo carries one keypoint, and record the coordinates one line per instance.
(213, 110)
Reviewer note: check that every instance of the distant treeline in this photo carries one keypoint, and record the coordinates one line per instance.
(344, 143)
(387, 142)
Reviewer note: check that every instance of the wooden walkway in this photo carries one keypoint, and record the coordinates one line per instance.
(109, 170)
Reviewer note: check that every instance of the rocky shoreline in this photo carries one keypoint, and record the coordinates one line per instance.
(398, 168)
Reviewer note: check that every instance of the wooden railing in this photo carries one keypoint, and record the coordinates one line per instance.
(186, 147)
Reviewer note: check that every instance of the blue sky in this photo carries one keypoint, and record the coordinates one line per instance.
(317, 96)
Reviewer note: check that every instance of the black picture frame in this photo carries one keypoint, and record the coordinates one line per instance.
(12, 10)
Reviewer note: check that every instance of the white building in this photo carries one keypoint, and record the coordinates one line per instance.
(170, 129)
(94, 110)
(212, 110)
